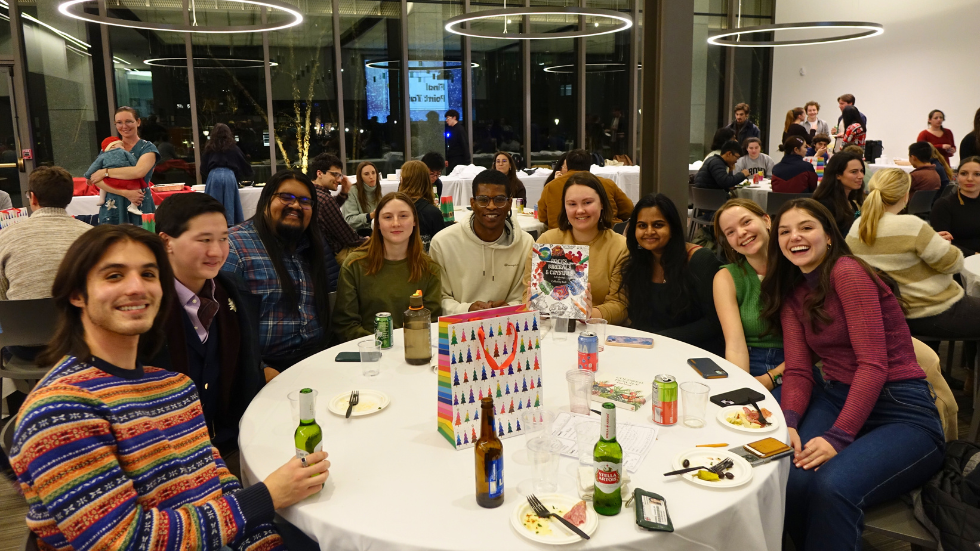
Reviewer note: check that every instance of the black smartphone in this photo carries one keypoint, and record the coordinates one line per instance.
(348, 357)
(737, 397)
(707, 368)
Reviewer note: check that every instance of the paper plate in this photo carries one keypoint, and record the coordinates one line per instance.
(560, 535)
(708, 457)
(723, 413)
(371, 401)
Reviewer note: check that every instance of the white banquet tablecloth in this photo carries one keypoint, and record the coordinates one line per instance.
(874, 167)
(971, 275)
(626, 177)
(89, 204)
(757, 192)
(396, 484)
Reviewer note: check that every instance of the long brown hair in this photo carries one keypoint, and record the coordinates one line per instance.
(942, 160)
(791, 117)
(731, 254)
(832, 190)
(783, 277)
(373, 252)
(415, 182)
(220, 139)
(511, 172)
(72, 280)
(362, 187)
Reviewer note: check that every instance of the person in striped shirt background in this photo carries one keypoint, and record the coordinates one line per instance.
(112, 454)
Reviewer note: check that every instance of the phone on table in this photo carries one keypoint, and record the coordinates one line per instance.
(707, 368)
(348, 357)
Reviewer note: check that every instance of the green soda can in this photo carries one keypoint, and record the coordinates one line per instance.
(382, 330)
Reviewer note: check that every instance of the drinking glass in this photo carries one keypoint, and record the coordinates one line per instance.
(294, 404)
(544, 452)
(561, 327)
(370, 357)
(586, 435)
(694, 400)
(598, 326)
(579, 390)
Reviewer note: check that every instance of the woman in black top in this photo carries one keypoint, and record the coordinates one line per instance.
(958, 213)
(970, 144)
(842, 189)
(415, 184)
(222, 166)
(556, 168)
(667, 281)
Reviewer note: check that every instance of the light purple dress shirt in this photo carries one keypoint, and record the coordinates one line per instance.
(191, 303)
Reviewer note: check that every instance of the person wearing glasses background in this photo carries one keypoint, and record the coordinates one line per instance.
(415, 183)
(385, 271)
(327, 173)
(483, 259)
(285, 261)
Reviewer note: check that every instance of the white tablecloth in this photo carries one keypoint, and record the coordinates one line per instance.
(874, 167)
(626, 177)
(757, 192)
(89, 204)
(526, 221)
(396, 484)
(971, 275)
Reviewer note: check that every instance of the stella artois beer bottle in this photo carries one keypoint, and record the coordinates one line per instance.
(607, 456)
(489, 460)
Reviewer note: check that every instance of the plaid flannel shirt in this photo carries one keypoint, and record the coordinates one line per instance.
(281, 329)
(334, 229)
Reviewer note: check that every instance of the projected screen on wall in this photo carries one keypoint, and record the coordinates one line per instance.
(433, 86)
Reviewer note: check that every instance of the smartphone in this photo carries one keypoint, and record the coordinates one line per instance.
(707, 368)
(348, 357)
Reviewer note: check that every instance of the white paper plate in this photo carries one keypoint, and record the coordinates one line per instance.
(709, 456)
(371, 401)
(560, 535)
(726, 411)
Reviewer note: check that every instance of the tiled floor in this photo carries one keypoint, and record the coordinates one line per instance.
(13, 507)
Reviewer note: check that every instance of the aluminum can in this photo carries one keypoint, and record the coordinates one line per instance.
(588, 351)
(382, 330)
(520, 205)
(664, 400)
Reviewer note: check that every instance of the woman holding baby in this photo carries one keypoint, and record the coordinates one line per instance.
(118, 200)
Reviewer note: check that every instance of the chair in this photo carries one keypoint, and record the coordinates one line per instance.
(921, 203)
(895, 519)
(707, 201)
(619, 227)
(331, 300)
(775, 201)
(25, 323)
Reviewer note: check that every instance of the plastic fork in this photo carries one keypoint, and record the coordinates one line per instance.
(355, 397)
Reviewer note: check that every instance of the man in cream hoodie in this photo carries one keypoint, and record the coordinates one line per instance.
(483, 259)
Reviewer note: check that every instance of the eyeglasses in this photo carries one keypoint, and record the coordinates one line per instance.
(287, 199)
(335, 174)
(498, 201)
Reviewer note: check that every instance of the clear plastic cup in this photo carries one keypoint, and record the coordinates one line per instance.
(544, 452)
(579, 390)
(535, 420)
(294, 404)
(370, 357)
(561, 327)
(598, 326)
(586, 435)
(694, 400)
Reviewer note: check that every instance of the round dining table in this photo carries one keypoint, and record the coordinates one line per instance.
(397, 484)
(971, 275)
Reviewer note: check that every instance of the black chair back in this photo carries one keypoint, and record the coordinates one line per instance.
(775, 201)
(27, 322)
(921, 201)
(708, 199)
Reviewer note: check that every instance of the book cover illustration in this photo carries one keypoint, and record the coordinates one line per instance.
(624, 392)
(559, 277)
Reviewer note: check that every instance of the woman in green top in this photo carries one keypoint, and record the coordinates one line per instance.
(742, 229)
(381, 274)
(358, 210)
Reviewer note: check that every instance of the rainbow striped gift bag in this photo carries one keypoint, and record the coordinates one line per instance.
(494, 353)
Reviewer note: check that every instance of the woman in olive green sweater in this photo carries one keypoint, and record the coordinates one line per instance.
(742, 229)
(384, 272)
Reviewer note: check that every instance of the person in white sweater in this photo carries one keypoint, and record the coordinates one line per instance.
(921, 261)
(483, 260)
(755, 161)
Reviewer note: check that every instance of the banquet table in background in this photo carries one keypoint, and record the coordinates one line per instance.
(396, 483)
(89, 204)
(971, 275)
(875, 167)
(756, 192)
(626, 177)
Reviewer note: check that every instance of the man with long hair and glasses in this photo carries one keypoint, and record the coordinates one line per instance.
(112, 454)
(493, 278)
(283, 259)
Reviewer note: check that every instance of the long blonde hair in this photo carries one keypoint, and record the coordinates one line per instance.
(942, 161)
(415, 182)
(888, 186)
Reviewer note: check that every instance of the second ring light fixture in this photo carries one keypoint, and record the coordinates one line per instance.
(621, 22)
(731, 37)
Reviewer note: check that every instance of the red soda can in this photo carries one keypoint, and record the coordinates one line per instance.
(664, 400)
(588, 351)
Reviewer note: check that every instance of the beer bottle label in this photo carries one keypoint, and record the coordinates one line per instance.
(495, 477)
(300, 454)
(607, 476)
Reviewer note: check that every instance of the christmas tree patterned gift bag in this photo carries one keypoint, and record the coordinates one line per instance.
(494, 353)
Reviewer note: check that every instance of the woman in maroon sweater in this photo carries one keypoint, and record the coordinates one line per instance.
(870, 432)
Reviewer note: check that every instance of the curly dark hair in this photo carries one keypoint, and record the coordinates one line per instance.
(220, 139)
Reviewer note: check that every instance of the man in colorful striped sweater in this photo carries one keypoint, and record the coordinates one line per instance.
(112, 454)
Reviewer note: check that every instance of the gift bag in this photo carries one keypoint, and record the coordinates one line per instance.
(494, 353)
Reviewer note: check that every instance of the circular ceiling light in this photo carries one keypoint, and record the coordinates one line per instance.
(869, 30)
(393, 65)
(66, 5)
(589, 68)
(621, 21)
(208, 63)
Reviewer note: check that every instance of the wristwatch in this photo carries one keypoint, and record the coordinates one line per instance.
(106, 173)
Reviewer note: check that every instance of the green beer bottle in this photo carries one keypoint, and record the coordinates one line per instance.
(607, 456)
(308, 436)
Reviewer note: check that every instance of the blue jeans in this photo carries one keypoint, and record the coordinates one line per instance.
(898, 449)
(762, 360)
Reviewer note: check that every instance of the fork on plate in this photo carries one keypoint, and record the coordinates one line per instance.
(726, 463)
(355, 397)
(543, 512)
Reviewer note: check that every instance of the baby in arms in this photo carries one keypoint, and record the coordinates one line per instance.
(114, 156)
